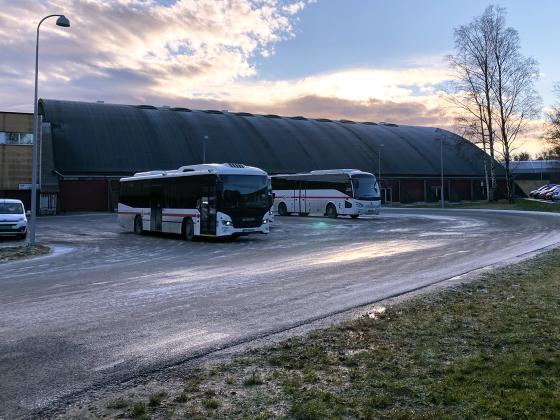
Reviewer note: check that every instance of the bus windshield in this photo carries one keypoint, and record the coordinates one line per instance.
(245, 191)
(364, 187)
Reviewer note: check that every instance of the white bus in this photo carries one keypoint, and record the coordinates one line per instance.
(200, 200)
(330, 192)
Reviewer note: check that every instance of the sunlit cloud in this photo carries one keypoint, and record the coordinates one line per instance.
(202, 54)
(189, 47)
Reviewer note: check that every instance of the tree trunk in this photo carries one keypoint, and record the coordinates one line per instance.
(486, 183)
(487, 88)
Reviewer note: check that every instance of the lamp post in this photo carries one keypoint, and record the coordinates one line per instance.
(65, 23)
(441, 134)
(441, 166)
(379, 161)
(204, 149)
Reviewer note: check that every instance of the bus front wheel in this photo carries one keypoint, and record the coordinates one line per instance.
(282, 209)
(188, 229)
(331, 211)
(138, 227)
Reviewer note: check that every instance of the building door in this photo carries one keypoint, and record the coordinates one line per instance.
(91, 195)
(387, 195)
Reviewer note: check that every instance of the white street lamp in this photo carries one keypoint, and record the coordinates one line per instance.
(65, 23)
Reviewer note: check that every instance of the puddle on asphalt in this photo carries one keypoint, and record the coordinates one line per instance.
(352, 253)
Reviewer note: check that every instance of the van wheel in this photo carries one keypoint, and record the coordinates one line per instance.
(188, 229)
(282, 209)
(22, 235)
(331, 211)
(354, 216)
(138, 225)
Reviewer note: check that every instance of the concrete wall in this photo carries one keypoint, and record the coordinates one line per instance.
(15, 160)
(15, 166)
(529, 185)
(16, 122)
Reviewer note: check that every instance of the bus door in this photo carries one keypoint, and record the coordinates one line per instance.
(207, 209)
(302, 206)
(156, 205)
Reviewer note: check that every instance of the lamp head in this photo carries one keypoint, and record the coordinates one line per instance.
(63, 21)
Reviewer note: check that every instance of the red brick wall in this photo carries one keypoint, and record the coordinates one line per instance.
(83, 196)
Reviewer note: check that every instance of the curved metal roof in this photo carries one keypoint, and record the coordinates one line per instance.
(99, 138)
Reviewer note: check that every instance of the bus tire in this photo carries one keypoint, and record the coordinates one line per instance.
(138, 225)
(331, 211)
(187, 229)
(282, 209)
(354, 216)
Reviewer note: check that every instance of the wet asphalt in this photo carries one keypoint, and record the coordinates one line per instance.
(110, 305)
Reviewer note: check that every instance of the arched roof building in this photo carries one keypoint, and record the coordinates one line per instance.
(91, 140)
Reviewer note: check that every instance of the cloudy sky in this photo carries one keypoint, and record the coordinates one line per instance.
(366, 60)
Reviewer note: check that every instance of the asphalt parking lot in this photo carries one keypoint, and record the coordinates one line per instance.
(110, 305)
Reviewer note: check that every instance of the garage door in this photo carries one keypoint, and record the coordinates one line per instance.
(83, 196)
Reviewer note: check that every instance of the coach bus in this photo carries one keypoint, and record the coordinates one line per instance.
(331, 193)
(200, 200)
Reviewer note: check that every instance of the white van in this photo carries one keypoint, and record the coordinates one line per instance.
(13, 220)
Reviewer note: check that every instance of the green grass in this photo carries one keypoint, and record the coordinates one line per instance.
(252, 380)
(519, 204)
(157, 399)
(182, 398)
(21, 251)
(488, 349)
(138, 410)
(211, 404)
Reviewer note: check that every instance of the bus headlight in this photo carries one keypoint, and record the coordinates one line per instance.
(227, 223)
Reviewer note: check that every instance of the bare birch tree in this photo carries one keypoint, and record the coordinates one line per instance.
(513, 90)
(471, 89)
(494, 84)
(552, 131)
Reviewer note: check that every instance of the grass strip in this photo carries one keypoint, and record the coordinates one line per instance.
(490, 348)
(22, 251)
(520, 204)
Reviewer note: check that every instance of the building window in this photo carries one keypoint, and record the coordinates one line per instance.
(7, 137)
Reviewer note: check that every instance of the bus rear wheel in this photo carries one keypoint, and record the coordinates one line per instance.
(331, 211)
(188, 229)
(138, 225)
(282, 209)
